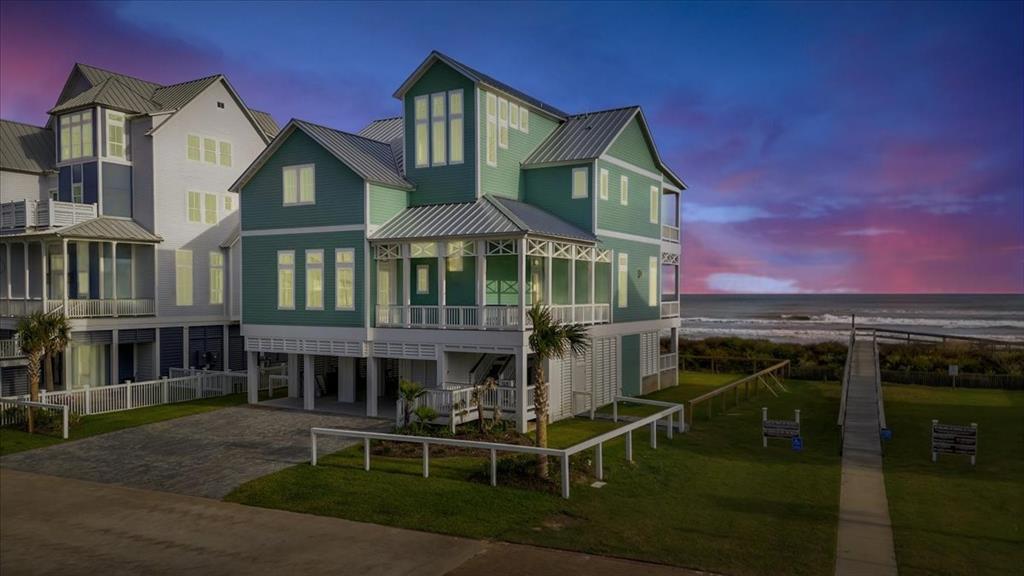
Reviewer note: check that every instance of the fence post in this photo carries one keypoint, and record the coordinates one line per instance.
(615, 410)
(426, 459)
(565, 475)
(682, 419)
(128, 394)
(42, 395)
(654, 435)
(494, 467)
(163, 390)
(366, 454)
(65, 423)
(312, 444)
(88, 401)
(629, 446)
(599, 460)
(668, 430)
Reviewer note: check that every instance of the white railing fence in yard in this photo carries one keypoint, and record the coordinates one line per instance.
(15, 411)
(597, 443)
(454, 403)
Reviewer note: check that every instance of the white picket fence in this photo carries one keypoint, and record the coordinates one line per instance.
(14, 411)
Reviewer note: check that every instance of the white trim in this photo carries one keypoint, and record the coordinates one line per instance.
(603, 183)
(476, 143)
(631, 167)
(303, 230)
(629, 237)
(304, 332)
(654, 206)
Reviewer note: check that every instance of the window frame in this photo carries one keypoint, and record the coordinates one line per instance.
(423, 122)
(424, 287)
(340, 266)
(286, 267)
(207, 197)
(624, 190)
(524, 120)
(503, 123)
(181, 263)
(654, 208)
(221, 155)
(229, 203)
(459, 116)
(77, 187)
(297, 169)
(122, 125)
(439, 129)
(575, 194)
(491, 132)
(198, 209)
(76, 128)
(216, 263)
(198, 148)
(212, 150)
(309, 269)
(513, 115)
(622, 280)
(653, 265)
(603, 183)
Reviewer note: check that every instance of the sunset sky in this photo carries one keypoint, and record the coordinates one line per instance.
(828, 147)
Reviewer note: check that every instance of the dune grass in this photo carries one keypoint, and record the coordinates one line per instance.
(949, 517)
(713, 499)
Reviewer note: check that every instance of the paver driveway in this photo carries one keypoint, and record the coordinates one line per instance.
(205, 454)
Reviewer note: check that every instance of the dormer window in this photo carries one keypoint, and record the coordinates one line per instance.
(115, 135)
(76, 135)
(439, 137)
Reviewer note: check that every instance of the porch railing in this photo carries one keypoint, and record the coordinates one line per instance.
(21, 214)
(457, 317)
(10, 348)
(579, 313)
(669, 361)
(108, 307)
(19, 308)
(455, 404)
(670, 309)
(670, 233)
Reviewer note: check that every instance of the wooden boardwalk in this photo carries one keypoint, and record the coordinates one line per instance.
(865, 545)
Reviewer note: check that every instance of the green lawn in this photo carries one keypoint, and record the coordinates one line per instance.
(12, 441)
(691, 385)
(950, 518)
(713, 499)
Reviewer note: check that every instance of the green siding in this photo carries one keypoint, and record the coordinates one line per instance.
(634, 218)
(630, 365)
(460, 287)
(551, 190)
(430, 297)
(259, 272)
(339, 190)
(638, 307)
(386, 202)
(506, 179)
(632, 147)
(502, 281)
(450, 183)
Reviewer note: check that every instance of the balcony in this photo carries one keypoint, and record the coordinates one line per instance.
(585, 314)
(483, 317)
(10, 348)
(20, 215)
(670, 309)
(81, 308)
(670, 233)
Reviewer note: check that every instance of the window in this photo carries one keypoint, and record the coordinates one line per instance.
(229, 203)
(115, 135)
(76, 135)
(624, 190)
(438, 129)
(603, 184)
(210, 203)
(314, 279)
(420, 105)
(513, 115)
(82, 252)
(652, 281)
(344, 275)
(623, 280)
(216, 278)
(456, 128)
(457, 250)
(579, 182)
(225, 154)
(299, 184)
(423, 279)
(183, 277)
(654, 204)
(192, 149)
(286, 280)
(209, 150)
(194, 214)
(77, 187)
(492, 129)
(524, 120)
(503, 123)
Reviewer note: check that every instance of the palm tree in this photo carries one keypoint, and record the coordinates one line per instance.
(58, 336)
(409, 392)
(479, 396)
(33, 338)
(550, 340)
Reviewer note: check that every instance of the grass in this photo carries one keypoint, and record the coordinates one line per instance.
(691, 385)
(713, 499)
(949, 517)
(12, 441)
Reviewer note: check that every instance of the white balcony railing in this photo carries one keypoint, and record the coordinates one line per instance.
(81, 308)
(670, 309)
(457, 317)
(580, 313)
(19, 308)
(10, 348)
(22, 214)
(669, 361)
(670, 233)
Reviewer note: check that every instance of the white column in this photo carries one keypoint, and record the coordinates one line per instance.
(522, 379)
(371, 386)
(293, 375)
(346, 380)
(613, 295)
(407, 279)
(253, 378)
(9, 273)
(308, 385)
(572, 279)
(24, 260)
(441, 280)
(547, 274)
(42, 248)
(114, 360)
(521, 277)
(102, 266)
(131, 271)
(113, 263)
(442, 366)
(481, 274)
(593, 277)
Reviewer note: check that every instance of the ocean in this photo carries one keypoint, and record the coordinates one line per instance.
(823, 317)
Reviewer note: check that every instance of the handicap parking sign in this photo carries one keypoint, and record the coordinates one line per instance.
(798, 443)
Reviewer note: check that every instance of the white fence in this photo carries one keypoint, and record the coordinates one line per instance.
(15, 411)
(454, 403)
(92, 308)
(597, 443)
(669, 361)
(670, 309)
(10, 348)
(670, 233)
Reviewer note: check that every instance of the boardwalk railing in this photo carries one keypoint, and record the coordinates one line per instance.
(934, 338)
(772, 375)
(15, 411)
(597, 443)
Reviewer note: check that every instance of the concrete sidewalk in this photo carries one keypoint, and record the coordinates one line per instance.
(864, 544)
(51, 525)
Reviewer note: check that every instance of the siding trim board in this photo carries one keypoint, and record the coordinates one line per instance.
(303, 230)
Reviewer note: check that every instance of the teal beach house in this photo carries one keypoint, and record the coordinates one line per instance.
(413, 250)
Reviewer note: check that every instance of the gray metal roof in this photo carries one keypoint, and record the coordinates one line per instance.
(175, 96)
(374, 161)
(487, 216)
(113, 93)
(96, 76)
(385, 129)
(25, 148)
(479, 77)
(582, 137)
(102, 228)
(266, 123)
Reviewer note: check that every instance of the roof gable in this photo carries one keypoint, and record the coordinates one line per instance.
(26, 148)
(184, 93)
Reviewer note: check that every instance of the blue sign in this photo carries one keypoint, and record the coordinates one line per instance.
(886, 434)
(798, 443)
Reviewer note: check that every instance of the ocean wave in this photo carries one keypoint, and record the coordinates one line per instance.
(844, 320)
(791, 334)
